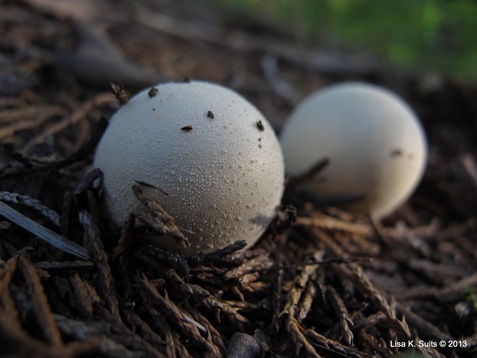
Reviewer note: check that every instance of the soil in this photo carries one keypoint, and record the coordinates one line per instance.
(320, 282)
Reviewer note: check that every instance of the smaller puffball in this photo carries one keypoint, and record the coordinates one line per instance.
(373, 140)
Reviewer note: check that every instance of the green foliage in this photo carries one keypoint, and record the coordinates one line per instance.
(428, 35)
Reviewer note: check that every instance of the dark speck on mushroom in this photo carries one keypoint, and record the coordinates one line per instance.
(152, 92)
(210, 114)
(260, 125)
(396, 153)
(186, 128)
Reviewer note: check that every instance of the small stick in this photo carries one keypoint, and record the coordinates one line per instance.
(83, 153)
(41, 308)
(309, 174)
(45, 211)
(97, 101)
(119, 93)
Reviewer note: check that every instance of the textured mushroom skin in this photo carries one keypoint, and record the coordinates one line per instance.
(374, 141)
(223, 175)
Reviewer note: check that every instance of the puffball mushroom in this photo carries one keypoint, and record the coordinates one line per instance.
(208, 148)
(374, 142)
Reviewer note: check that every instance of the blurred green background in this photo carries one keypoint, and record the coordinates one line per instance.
(423, 35)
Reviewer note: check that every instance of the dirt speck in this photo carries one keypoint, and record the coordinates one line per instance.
(396, 153)
(152, 92)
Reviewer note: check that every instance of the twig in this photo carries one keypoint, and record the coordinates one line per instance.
(214, 335)
(125, 239)
(7, 305)
(289, 311)
(374, 343)
(296, 332)
(209, 301)
(139, 326)
(83, 153)
(172, 258)
(64, 266)
(254, 265)
(85, 295)
(27, 345)
(25, 200)
(87, 182)
(186, 323)
(99, 61)
(173, 345)
(82, 330)
(205, 258)
(450, 293)
(356, 274)
(343, 317)
(330, 347)
(399, 325)
(424, 328)
(218, 306)
(97, 101)
(38, 111)
(306, 301)
(26, 118)
(330, 223)
(152, 213)
(106, 282)
(41, 307)
(370, 321)
(119, 93)
(294, 295)
(309, 174)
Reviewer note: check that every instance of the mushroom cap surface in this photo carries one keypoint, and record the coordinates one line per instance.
(374, 141)
(212, 151)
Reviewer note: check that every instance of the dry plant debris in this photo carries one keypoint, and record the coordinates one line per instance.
(320, 282)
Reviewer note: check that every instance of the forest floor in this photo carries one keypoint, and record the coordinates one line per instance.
(325, 283)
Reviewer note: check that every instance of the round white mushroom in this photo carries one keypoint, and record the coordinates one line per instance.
(374, 142)
(208, 148)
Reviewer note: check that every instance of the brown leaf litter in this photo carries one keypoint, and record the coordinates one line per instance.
(320, 282)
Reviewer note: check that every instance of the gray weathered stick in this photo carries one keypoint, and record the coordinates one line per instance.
(42, 232)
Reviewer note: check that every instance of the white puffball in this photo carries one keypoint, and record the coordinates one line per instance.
(206, 146)
(374, 141)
